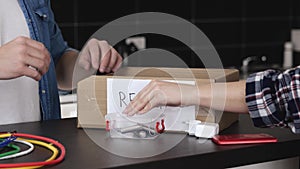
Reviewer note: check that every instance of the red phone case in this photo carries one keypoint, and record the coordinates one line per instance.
(243, 139)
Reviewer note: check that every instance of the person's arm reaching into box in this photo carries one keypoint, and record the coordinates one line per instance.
(271, 97)
(159, 93)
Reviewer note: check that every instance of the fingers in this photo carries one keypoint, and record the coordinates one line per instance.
(23, 57)
(111, 60)
(89, 55)
(37, 64)
(159, 93)
(105, 57)
(94, 53)
(34, 57)
(138, 106)
(118, 61)
(101, 56)
(144, 101)
(35, 49)
(32, 73)
(84, 59)
(37, 59)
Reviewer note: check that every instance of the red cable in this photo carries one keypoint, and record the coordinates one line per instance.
(30, 164)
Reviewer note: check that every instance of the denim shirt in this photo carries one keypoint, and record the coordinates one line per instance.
(43, 28)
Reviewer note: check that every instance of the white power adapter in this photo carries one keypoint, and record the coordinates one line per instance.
(192, 126)
(202, 130)
(207, 130)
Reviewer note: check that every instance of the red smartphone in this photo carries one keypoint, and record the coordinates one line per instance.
(243, 139)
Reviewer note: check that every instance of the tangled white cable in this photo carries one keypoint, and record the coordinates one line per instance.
(27, 151)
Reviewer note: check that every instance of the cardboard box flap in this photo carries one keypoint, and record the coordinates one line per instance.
(218, 75)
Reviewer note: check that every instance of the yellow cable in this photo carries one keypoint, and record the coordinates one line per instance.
(49, 146)
(5, 135)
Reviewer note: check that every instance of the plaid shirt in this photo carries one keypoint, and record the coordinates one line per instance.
(273, 98)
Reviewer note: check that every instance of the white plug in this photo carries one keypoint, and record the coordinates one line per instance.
(192, 126)
(206, 130)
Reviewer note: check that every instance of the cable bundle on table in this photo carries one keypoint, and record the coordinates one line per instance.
(7, 140)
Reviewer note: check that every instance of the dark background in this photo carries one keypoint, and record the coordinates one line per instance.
(237, 28)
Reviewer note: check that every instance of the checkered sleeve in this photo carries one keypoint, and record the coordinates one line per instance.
(273, 98)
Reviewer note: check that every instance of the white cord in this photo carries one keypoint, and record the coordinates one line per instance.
(29, 150)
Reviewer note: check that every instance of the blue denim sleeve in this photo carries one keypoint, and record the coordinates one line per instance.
(58, 45)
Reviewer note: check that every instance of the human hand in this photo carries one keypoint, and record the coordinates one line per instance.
(160, 93)
(23, 57)
(100, 56)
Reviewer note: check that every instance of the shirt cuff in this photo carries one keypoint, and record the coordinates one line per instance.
(262, 101)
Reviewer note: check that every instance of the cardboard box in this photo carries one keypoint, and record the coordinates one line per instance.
(92, 94)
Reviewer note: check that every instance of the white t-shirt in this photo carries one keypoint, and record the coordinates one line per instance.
(19, 98)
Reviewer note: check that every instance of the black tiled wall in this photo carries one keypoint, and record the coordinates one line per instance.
(237, 28)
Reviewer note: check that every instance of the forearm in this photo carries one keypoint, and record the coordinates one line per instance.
(65, 69)
(228, 96)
